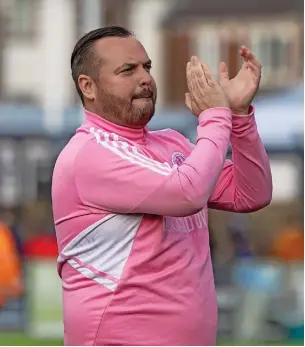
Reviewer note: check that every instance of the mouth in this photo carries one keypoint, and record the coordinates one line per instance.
(144, 95)
(145, 99)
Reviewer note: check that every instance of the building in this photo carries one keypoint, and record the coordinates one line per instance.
(38, 98)
(38, 36)
(216, 29)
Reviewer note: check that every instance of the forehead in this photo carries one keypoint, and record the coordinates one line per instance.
(115, 51)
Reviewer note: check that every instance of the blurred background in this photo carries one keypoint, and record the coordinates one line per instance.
(258, 258)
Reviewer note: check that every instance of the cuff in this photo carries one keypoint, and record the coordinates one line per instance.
(210, 112)
(242, 124)
(250, 113)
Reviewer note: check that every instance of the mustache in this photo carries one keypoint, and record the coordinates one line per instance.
(147, 93)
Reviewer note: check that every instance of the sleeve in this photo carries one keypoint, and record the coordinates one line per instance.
(245, 185)
(117, 178)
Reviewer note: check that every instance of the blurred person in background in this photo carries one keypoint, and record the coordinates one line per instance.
(130, 205)
(39, 242)
(9, 217)
(10, 267)
(288, 244)
(238, 230)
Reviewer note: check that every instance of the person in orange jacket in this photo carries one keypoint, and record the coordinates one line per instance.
(10, 266)
(288, 245)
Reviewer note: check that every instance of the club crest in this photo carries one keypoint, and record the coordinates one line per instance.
(177, 158)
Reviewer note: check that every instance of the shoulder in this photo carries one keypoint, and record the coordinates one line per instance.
(73, 149)
(169, 134)
(173, 137)
(104, 152)
(94, 146)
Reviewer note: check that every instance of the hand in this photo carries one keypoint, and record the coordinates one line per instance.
(204, 91)
(241, 89)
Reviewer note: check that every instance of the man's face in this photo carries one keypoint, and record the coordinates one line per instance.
(125, 91)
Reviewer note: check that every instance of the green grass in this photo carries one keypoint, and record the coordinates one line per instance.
(253, 343)
(17, 339)
(21, 339)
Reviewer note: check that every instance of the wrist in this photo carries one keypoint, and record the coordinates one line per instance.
(241, 112)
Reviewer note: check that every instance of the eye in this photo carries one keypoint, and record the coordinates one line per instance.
(128, 69)
(148, 67)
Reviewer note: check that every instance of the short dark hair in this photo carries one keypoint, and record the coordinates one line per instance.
(83, 58)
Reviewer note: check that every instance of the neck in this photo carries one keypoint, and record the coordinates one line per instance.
(111, 125)
(111, 118)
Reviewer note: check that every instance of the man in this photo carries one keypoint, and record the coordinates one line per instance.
(130, 205)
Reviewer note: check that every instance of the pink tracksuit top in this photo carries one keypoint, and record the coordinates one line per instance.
(131, 214)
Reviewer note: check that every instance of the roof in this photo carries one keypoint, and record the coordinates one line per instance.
(233, 8)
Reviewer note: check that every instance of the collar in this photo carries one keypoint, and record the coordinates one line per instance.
(132, 134)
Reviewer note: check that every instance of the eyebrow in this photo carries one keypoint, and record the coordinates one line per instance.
(131, 65)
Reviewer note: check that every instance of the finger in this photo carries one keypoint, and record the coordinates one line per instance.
(256, 71)
(204, 75)
(197, 87)
(192, 82)
(188, 101)
(248, 55)
(197, 67)
(253, 67)
(253, 62)
(199, 79)
(208, 75)
(189, 76)
(223, 73)
(244, 65)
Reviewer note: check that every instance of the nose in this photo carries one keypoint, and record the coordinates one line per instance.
(145, 77)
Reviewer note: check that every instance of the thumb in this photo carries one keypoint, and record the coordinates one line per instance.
(188, 101)
(223, 73)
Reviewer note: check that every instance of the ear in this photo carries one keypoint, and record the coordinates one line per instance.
(87, 86)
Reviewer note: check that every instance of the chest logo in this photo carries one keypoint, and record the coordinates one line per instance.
(177, 158)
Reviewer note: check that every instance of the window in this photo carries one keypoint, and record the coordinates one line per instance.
(23, 13)
(277, 48)
(221, 42)
(206, 45)
(176, 54)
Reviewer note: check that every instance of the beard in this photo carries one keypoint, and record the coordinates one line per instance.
(126, 112)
